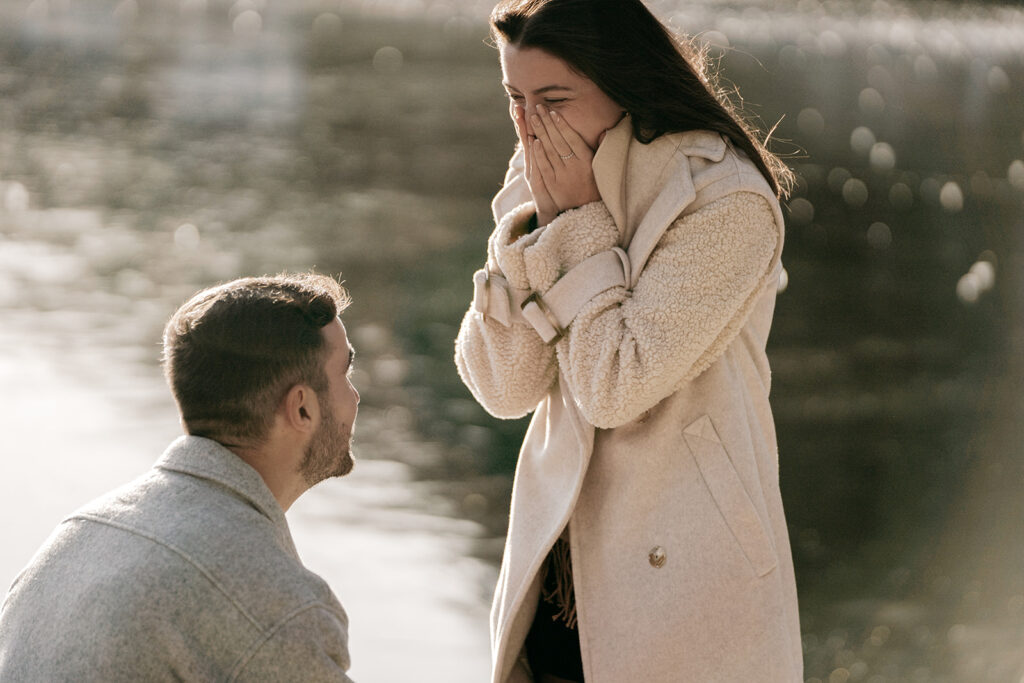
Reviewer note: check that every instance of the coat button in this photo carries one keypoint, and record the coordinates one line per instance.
(657, 557)
(643, 416)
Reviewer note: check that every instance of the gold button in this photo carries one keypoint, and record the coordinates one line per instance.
(657, 557)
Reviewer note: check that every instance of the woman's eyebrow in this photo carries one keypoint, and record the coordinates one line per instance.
(538, 91)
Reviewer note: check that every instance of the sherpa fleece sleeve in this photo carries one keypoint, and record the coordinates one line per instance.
(626, 351)
(507, 369)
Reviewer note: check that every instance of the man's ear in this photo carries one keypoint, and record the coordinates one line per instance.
(300, 408)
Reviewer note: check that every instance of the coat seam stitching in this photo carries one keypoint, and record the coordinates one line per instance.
(271, 631)
(177, 551)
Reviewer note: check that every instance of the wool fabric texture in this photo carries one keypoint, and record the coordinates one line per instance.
(188, 573)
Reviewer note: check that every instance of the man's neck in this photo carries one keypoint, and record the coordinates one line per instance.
(273, 466)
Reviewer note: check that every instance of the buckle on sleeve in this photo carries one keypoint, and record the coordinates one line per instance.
(541, 318)
(481, 290)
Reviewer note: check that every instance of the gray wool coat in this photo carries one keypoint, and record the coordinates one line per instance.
(188, 573)
(652, 447)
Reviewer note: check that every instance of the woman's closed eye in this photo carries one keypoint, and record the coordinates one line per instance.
(548, 101)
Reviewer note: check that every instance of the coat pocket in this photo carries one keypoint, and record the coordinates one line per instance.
(729, 494)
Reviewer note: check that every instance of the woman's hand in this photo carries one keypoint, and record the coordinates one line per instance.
(542, 200)
(563, 160)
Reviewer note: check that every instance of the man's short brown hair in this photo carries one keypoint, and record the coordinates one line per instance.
(233, 351)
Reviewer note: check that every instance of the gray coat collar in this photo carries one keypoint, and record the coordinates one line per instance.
(207, 459)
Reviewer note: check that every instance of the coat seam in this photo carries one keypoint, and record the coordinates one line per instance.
(272, 631)
(177, 551)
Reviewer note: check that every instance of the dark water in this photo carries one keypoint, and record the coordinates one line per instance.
(149, 149)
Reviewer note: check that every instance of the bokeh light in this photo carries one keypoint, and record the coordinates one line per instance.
(862, 139)
(871, 102)
(327, 26)
(811, 122)
(837, 178)
(882, 157)
(247, 24)
(979, 279)
(951, 197)
(879, 235)
(388, 60)
(148, 149)
(901, 196)
(855, 192)
(186, 237)
(1015, 174)
(801, 211)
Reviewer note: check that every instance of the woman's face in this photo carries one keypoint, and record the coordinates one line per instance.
(533, 76)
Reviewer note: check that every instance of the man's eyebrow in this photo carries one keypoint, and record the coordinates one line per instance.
(539, 91)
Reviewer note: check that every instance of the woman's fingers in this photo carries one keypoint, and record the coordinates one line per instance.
(541, 181)
(562, 158)
(519, 121)
(542, 162)
(542, 199)
(550, 136)
(573, 140)
(524, 138)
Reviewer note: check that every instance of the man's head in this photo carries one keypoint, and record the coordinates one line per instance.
(239, 354)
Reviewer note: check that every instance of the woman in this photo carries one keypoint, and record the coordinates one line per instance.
(626, 299)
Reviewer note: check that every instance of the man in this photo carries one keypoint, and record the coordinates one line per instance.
(190, 573)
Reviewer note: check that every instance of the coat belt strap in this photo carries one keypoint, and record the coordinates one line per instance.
(552, 313)
(496, 298)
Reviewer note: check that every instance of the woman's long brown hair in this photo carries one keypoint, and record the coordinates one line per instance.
(662, 82)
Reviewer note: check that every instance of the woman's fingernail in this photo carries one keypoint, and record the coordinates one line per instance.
(554, 115)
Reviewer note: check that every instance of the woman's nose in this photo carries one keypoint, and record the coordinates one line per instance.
(522, 120)
(528, 109)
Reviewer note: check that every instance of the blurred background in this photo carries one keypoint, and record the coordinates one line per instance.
(149, 148)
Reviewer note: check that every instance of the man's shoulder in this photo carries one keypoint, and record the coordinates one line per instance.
(109, 594)
(196, 531)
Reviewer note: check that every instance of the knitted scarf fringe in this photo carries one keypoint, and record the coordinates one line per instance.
(561, 594)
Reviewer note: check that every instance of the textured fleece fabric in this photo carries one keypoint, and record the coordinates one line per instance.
(188, 573)
(633, 340)
(652, 436)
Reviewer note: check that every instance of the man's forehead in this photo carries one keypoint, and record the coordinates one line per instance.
(336, 336)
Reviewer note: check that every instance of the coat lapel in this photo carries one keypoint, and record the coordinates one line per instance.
(610, 170)
(660, 179)
(665, 208)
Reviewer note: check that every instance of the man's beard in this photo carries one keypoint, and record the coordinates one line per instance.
(329, 452)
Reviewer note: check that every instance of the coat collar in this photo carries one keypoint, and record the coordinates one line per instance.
(207, 459)
(646, 186)
(621, 160)
(620, 154)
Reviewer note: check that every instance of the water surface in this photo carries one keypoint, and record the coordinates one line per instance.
(150, 149)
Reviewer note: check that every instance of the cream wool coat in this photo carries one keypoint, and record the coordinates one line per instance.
(652, 444)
